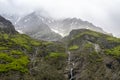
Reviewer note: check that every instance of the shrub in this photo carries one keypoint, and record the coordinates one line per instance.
(19, 64)
(114, 51)
(74, 47)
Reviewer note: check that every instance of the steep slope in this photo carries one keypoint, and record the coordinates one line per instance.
(14, 18)
(23, 58)
(6, 26)
(82, 55)
(65, 26)
(35, 26)
(93, 56)
(36, 20)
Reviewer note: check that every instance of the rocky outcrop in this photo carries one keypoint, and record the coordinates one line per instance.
(95, 55)
(6, 26)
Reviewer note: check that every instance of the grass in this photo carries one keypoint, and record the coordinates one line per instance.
(56, 55)
(10, 47)
(16, 52)
(113, 39)
(88, 45)
(88, 32)
(19, 64)
(114, 51)
(74, 47)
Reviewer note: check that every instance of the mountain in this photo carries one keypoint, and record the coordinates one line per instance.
(40, 26)
(65, 26)
(60, 26)
(14, 18)
(92, 55)
(6, 26)
(82, 55)
(35, 26)
(22, 57)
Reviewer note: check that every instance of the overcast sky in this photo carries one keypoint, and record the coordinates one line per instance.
(102, 13)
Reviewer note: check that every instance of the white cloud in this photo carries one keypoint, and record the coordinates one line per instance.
(103, 13)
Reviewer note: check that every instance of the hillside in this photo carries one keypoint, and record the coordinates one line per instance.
(82, 55)
(22, 57)
(93, 55)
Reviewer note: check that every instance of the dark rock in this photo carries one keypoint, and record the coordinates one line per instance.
(6, 26)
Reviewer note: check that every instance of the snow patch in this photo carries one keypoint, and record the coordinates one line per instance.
(17, 20)
(20, 31)
(56, 31)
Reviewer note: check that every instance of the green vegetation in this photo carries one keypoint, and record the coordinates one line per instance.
(35, 43)
(95, 57)
(56, 55)
(11, 54)
(74, 47)
(19, 64)
(16, 52)
(16, 49)
(6, 57)
(88, 45)
(21, 40)
(3, 48)
(56, 59)
(113, 39)
(6, 36)
(88, 32)
(114, 51)
(47, 43)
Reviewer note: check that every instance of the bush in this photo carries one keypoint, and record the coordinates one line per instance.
(19, 64)
(114, 52)
(74, 47)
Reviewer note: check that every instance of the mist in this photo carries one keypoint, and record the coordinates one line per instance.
(102, 13)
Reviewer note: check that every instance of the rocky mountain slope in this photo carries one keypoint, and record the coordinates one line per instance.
(82, 55)
(14, 18)
(93, 56)
(23, 58)
(40, 26)
(6, 26)
(61, 26)
(65, 26)
(34, 26)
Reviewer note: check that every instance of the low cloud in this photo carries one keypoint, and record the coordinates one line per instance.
(103, 13)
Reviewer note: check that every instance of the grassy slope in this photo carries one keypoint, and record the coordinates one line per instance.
(20, 53)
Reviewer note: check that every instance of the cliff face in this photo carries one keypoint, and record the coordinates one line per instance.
(93, 56)
(6, 26)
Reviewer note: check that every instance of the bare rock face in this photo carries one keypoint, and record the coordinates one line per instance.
(34, 25)
(6, 26)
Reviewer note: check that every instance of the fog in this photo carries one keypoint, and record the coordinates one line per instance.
(102, 13)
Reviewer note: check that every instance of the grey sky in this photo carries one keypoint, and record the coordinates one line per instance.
(103, 13)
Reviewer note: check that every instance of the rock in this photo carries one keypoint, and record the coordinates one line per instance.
(6, 26)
